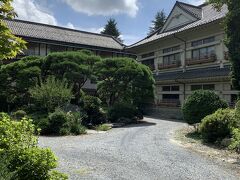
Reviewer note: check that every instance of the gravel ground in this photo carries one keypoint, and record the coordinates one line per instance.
(136, 152)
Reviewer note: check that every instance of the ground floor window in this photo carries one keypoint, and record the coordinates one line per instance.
(170, 88)
(170, 97)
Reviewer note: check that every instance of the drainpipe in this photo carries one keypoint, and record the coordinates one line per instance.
(184, 64)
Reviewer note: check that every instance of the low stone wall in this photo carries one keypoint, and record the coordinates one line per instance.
(164, 112)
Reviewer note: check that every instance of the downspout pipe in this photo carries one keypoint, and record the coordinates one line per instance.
(184, 65)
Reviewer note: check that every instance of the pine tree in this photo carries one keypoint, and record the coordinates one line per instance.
(111, 29)
(158, 22)
(232, 31)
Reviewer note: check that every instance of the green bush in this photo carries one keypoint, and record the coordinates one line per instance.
(51, 94)
(58, 123)
(200, 104)
(119, 111)
(94, 113)
(18, 142)
(235, 143)
(218, 125)
(5, 173)
(19, 114)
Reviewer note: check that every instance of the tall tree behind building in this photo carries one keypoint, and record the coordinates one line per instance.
(111, 29)
(232, 32)
(10, 45)
(158, 22)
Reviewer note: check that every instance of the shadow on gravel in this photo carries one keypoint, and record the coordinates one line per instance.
(139, 124)
(164, 119)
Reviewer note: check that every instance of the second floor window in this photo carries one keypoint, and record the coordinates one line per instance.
(171, 49)
(203, 87)
(149, 63)
(203, 41)
(203, 53)
(170, 88)
(171, 59)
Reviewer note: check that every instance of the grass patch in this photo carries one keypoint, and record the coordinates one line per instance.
(103, 127)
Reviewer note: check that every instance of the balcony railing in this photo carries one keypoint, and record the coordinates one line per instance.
(169, 103)
(168, 66)
(205, 59)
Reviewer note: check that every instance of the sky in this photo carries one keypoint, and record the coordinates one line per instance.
(133, 16)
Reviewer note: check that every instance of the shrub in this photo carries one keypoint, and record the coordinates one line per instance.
(58, 123)
(218, 125)
(94, 113)
(119, 111)
(5, 173)
(235, 143)
(200, 104)
(75, 120)
(19, 114)
(18, 142)
(51, 94)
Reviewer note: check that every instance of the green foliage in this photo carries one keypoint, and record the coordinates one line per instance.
(10, 45)
(103, 127)
(75, 120)
(232, 26)
(124, 80)
(16, 78)
(218, 125)
(235, 143)
(76, 67)
(111, 29)
(51, 94)
(19, 114)
(158, 22)
(200, 104)
(122, 110)
(5, 173)
(58, 123)
(94, 112)
(18, 142)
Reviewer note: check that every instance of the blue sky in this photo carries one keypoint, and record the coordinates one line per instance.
(133, 16)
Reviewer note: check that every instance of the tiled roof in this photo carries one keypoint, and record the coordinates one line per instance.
(208, 15)
(194, 10)
(60, 34)
(194, 74)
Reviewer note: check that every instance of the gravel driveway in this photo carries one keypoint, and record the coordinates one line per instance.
(137, 152)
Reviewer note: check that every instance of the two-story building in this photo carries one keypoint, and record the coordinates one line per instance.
(43, 39)
(188, 54)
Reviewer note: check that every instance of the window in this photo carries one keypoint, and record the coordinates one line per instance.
(170, 88)
(202, 53)
(171, 59)
(149, 63)
(203, 41)
(203, 86)
(170, 96)
(148, 55)
(171, 49)
(56, 48)
(32, 49)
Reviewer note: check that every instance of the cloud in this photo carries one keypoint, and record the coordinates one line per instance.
(90, 29)
(104, 7)
(28, 10)
(196, 2)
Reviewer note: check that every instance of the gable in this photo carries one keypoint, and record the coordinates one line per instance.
(177, 18)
